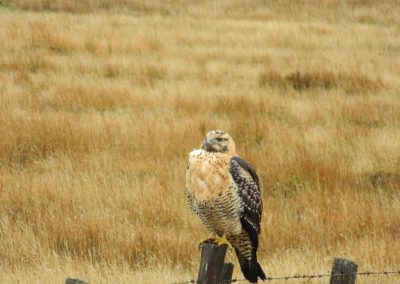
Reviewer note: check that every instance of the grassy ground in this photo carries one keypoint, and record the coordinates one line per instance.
(100, 104)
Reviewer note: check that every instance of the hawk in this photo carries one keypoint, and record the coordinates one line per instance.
(224, 191)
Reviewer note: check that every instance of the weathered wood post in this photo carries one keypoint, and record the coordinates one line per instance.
(343, 266)
(226, 276)
(212, 269)
(74, 281)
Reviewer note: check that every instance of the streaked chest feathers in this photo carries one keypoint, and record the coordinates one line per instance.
(212, 193)
(208, 175)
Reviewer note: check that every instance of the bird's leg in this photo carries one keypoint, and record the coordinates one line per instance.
(215, 239)
(222, 241)
(207, 240)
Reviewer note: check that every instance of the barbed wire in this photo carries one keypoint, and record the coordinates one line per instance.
(310, 276)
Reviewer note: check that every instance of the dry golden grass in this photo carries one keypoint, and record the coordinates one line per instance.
(98, 112)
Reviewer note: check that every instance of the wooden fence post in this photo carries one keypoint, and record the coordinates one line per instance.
(343, 266)
(226, 275)
(212, 269)
(74, 281)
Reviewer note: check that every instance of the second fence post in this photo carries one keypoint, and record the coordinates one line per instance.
(343, 271)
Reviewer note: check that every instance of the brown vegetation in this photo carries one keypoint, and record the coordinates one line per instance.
(98, 112)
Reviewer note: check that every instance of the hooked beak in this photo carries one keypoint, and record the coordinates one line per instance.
(207, 144)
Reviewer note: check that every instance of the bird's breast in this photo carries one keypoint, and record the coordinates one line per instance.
(207, 175)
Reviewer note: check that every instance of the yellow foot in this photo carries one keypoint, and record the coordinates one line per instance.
(204, 241)
(216, 240)
(222, 241)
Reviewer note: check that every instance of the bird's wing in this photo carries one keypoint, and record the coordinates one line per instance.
(190, 200)
(248, 186)
(188, 192)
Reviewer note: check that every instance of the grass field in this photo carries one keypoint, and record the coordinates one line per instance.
(101, 102)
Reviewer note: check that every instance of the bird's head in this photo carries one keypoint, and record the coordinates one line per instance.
(218, 141)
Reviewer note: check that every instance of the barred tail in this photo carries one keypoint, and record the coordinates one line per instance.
(250, 267)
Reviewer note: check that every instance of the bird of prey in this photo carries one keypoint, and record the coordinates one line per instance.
(224, 191)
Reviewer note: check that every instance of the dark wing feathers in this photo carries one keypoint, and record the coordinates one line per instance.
(249, 191)
(248, 168)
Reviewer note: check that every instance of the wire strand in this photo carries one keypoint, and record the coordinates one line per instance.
(311, 276)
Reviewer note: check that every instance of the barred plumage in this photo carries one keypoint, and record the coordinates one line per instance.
(223, 190)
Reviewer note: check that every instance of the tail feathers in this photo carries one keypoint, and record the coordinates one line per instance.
(250, 267)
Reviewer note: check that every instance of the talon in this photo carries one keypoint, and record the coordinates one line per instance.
(205, 241)
(216, 240)
(223, 241)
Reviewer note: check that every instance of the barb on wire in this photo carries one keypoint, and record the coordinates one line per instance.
(311, 276)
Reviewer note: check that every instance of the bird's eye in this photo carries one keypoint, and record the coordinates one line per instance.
(219, 139)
